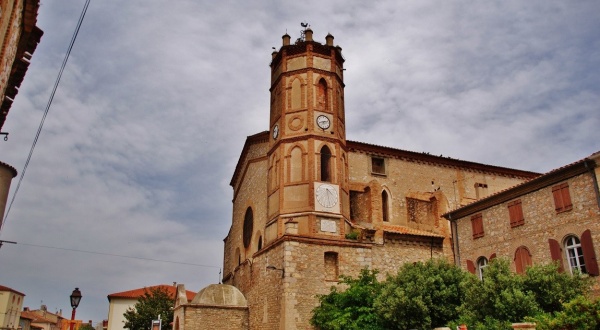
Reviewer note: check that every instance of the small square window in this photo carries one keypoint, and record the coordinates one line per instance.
(378, 165)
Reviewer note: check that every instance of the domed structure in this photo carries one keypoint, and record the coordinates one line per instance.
(217, 306)
(220, 295)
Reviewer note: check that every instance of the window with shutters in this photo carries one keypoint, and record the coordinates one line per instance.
(482, 262)
(562, 198)
(574, 252)
(477, 225)
(522, 259)
(377, 165)
(515, 212)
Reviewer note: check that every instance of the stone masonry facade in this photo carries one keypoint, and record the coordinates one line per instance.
(543, 224)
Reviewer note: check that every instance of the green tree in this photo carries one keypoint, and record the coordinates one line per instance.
(578, 313)
(498, 300)
(155, 301)
(421, 295)
(86, 326)
(552, 288)
(351, 309)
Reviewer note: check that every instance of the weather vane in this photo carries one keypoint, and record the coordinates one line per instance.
(306, 26)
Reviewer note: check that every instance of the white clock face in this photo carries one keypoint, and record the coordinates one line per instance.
(327, 195)
(275, 132)
(323, 122)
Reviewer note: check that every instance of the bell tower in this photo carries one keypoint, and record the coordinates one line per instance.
(308, 190)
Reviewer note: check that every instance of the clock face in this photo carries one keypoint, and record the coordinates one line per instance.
(275, 132)
(327, 195)
(323, 122)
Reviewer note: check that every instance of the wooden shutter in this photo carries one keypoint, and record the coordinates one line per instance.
(558, 205)
(566, 196)
(522, 259)
(493, 256)
(477, 225)
(562, 197)
(515, 212)
(589, 255)
(471, 266)
(556, 254)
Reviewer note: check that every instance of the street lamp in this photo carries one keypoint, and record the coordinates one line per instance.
(75, 299)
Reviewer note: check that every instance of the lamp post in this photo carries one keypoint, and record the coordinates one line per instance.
(75, 299)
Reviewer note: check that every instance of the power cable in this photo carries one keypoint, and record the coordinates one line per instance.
(118, 255)
(37, 135)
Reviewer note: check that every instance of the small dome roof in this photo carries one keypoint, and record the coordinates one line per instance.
(221, 295)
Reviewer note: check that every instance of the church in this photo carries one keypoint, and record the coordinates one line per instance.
(310, 206)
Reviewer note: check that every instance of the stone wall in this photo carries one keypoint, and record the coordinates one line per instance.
(200, 317)
(10, 32)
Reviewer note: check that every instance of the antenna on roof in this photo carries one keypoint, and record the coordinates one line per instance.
(219, 275)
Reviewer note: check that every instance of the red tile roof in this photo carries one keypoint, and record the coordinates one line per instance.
(137, 293)
(408, 231)
(5, 288)
(544, 180)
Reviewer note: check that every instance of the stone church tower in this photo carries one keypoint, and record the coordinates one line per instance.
(308, 171)
(309, 206)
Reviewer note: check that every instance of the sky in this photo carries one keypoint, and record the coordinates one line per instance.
(136, 154)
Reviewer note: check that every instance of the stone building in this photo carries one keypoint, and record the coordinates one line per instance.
(309, 206)
(19, 37)
(554, 217)
(11, 302)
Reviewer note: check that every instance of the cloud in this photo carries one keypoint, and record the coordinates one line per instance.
(157, 99)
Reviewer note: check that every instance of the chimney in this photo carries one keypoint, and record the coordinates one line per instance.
(286, 39)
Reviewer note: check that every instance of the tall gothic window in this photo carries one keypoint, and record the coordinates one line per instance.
(385, 206)
(248, 227)
(325, 164)
(322, 99)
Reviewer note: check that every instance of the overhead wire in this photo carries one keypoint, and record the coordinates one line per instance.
(37, 135)
(118, 255)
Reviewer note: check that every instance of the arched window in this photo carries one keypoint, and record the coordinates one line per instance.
(177, 323)
(259, 245)
(238, 256)
(296, 168)
(296, 98)
(574, 253)
(248, 227)
(482, 262)
(325, 164)
(385, 206)
(522, 259)
(322, 99)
